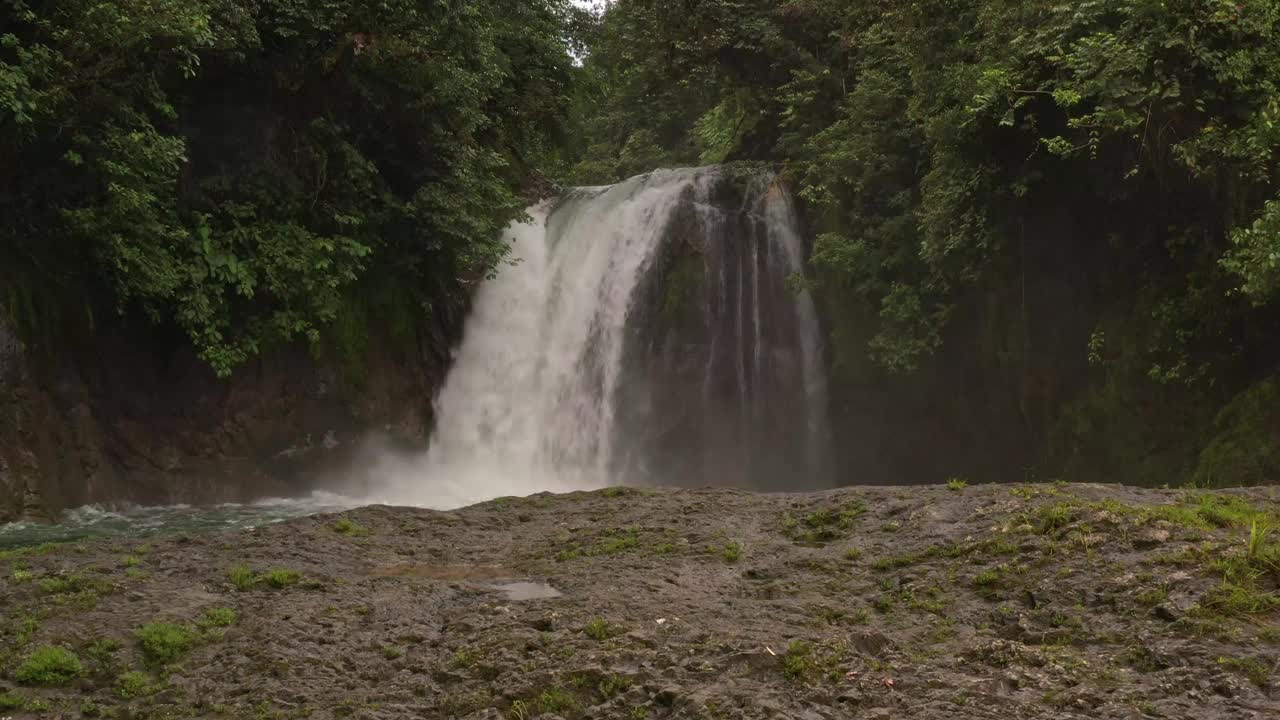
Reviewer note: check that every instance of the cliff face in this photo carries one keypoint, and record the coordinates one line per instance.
(112, 421)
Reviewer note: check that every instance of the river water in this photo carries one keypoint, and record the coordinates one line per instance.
(138, 522)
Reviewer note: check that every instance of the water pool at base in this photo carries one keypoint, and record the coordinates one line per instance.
(140, 522)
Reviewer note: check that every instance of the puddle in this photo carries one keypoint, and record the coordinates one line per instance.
(518, 591)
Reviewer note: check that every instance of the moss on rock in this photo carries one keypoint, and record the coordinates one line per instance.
(1245, 449)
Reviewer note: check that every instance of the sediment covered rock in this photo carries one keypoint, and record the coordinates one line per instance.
(982, 602)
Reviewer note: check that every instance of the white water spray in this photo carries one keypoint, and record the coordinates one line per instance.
(532, 401)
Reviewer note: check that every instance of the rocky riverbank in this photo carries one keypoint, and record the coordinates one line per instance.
(1022, 601)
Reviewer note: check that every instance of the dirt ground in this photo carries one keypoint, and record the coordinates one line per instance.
(1008, 601)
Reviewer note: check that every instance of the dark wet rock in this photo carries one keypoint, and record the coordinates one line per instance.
(869, 643)
(667, 696)
(381, 638)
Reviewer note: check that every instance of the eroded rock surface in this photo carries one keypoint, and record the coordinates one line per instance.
(982, 602)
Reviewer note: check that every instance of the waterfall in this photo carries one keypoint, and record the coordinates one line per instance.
(639, 333)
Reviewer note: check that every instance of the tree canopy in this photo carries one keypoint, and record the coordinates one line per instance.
(951, 150)
(232, 168)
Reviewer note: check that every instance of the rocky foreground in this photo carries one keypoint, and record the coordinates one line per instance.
(1025, 601)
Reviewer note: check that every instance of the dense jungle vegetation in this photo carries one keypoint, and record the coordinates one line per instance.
(247, 172)
(1071, 207)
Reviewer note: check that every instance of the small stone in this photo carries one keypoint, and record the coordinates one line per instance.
(667, 696)
(851, 697)
(639, 638)
(1150, 538)
(869, 642)
(756, 661)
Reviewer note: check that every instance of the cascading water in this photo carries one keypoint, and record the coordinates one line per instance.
(642, 333)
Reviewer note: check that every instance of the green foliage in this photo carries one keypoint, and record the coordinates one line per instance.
(799, 664)
(49, 666)
(824, 524)
(231, 170)
(349, 527)
(994, 178)
(599, 629)
(1242, 450)
(988, 578)
(133, 684)
(162, 642)
(11, 701)
(218, 618)
(731, 552)
(102, 652)
(242, 578)
(280, 578)
(614, 685)
(555, 700)
(392, 652)
(59, 585)
(1258, 670)
(1255, 255)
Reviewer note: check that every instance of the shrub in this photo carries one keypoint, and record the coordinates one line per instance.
(11, 701)
(599, 629)
(163, 642)
(798, 664)
(987, 578)
(732, 552)
(133, 684)
(218, 617)
(102, 651)
(281, 578)
(242, 578)
(349, 527)
(823, 525)
(57, 585)
(49, 666)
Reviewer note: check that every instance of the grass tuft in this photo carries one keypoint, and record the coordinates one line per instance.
(134, 684)
(242, 578)
(798, 664)
(49, 666)
(217, 618)
(350, 528)
(823, 525)
(162, 642)
(732, 552)
(599, 629)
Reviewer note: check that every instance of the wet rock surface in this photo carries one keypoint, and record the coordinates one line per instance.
(985, 602)
(118, 421)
